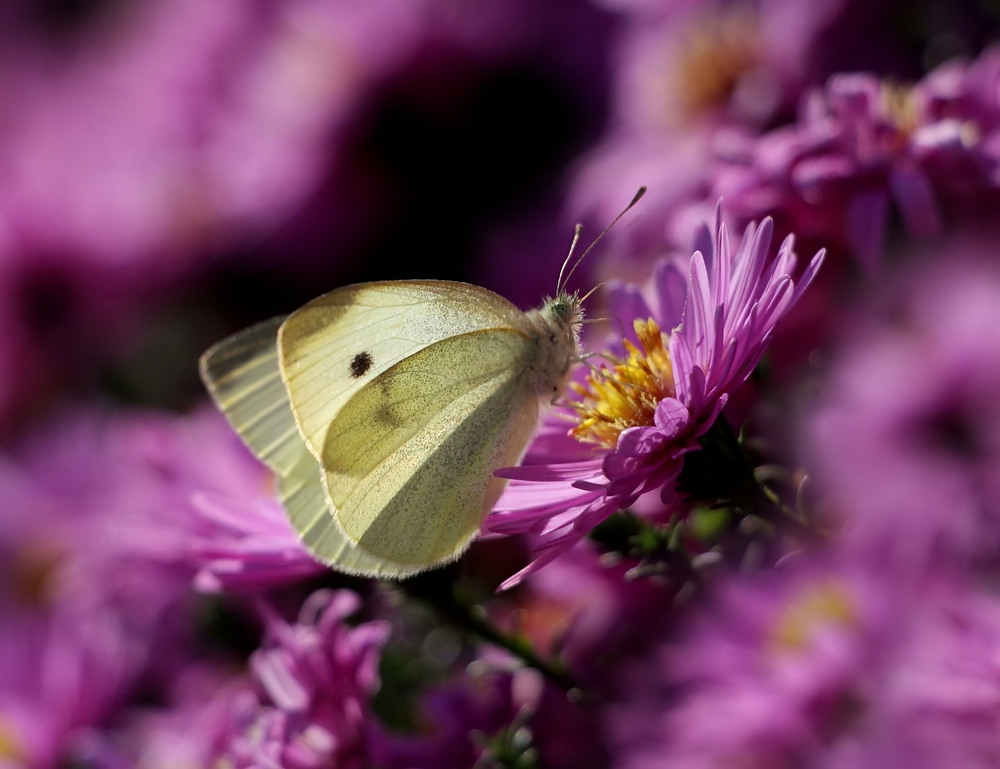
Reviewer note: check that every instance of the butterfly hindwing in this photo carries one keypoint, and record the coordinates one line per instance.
(243, 377)
(415, 448)
(304, 499)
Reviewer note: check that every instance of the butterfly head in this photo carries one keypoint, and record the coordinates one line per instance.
(557, 323)
(565, 309)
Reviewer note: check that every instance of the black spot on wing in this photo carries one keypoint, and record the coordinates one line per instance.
(360, 364)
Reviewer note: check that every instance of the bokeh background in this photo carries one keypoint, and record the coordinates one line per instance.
(174, 170)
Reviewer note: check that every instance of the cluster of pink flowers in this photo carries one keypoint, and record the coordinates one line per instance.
(760, 526)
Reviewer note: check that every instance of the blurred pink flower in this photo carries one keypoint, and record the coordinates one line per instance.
(904, 441)
(95, 569)
(177, 125)
(647, 412)
(314, 681)
(62, 674)
(863, 146)
(95, 554)
(247, 543)
(826, 666)
(191, 726)
(87, 494)
(688, 78)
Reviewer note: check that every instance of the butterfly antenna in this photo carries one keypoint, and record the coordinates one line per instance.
(577, 231)
(587, 296)
(562, 283)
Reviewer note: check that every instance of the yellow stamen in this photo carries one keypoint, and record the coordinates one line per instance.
(612, 400)
(820, 605)
(718, 49)
(33, 572)
(10, 747)
(901, 107)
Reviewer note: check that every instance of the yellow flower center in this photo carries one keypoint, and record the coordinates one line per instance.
(900, 106)
(818, 606)
(33, 573)
(10, 748)
(718, 50)
(625, 395)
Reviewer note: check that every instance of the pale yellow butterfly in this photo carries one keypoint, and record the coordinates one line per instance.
(385, 408)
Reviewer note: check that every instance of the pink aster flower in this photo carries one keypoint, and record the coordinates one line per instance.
(91, 494)
(314, 680)
(758, 674)
(94, 495)
(863, 147)
(648, 411)
(246, 542)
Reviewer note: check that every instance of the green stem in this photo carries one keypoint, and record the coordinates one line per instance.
(439, 589)
(474, 618)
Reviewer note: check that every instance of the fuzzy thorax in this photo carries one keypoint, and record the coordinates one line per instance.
(556, 326)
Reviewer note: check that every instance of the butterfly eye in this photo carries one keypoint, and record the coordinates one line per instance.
(360, 364)
(563, 309)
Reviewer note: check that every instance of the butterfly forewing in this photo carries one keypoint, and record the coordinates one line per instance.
(416, 447)
(333, 346)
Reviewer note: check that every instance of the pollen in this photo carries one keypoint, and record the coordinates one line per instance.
(33, 573)
(818, 607)
(10, 748)
(717, 51)
(901, 109)
(625, 394)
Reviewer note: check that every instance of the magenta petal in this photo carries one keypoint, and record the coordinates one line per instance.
(626, 485)
(545, 496)
(671, 290)
(618, 465)
(561, 471)
(628, 302)
(915, 198)
(671, 416)
(637, 441)
(866, 219)
(281, 684)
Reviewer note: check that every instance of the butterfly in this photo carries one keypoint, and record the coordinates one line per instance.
(384, 409)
